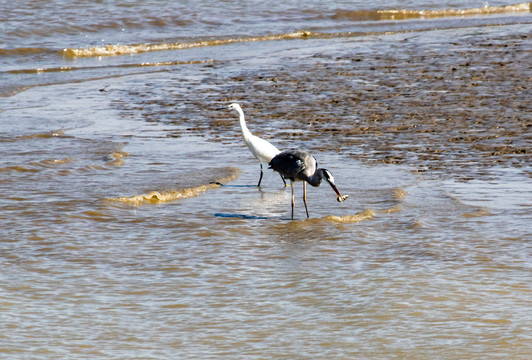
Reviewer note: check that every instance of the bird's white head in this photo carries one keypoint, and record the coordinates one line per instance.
(234, 106)
(326, 174)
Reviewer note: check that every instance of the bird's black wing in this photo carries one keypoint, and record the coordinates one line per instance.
(290, 163)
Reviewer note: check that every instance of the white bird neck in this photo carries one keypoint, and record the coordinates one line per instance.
(245, 131)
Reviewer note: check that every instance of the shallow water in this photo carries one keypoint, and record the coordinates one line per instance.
(131, 226)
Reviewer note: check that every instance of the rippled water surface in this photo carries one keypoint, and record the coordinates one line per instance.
(131, 225)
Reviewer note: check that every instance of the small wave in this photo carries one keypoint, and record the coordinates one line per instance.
(134, 65)
(156, 197)
(18, 168)
(399, 193)
(46, 135)
(115, 158)
(354, 218)
(404, 14)
(23, 51)
(479, 213)
(41, 70)
(53, 162)
(94, 216)
(391, 210)
(36, 166)
(114, 50)
(330, 219)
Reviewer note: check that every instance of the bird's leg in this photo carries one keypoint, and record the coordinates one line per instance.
(282, 178)
(260, 179)
(305, 196)
(292, 186)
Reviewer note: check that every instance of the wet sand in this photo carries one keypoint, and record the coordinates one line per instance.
(457, 107)
(457, 104)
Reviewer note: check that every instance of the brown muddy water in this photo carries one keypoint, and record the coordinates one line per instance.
(131, 226)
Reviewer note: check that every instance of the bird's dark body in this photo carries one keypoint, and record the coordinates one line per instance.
(299, 165)
(296, 165)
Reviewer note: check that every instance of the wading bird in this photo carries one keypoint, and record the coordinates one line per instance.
(260, 148)
(299, 165)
